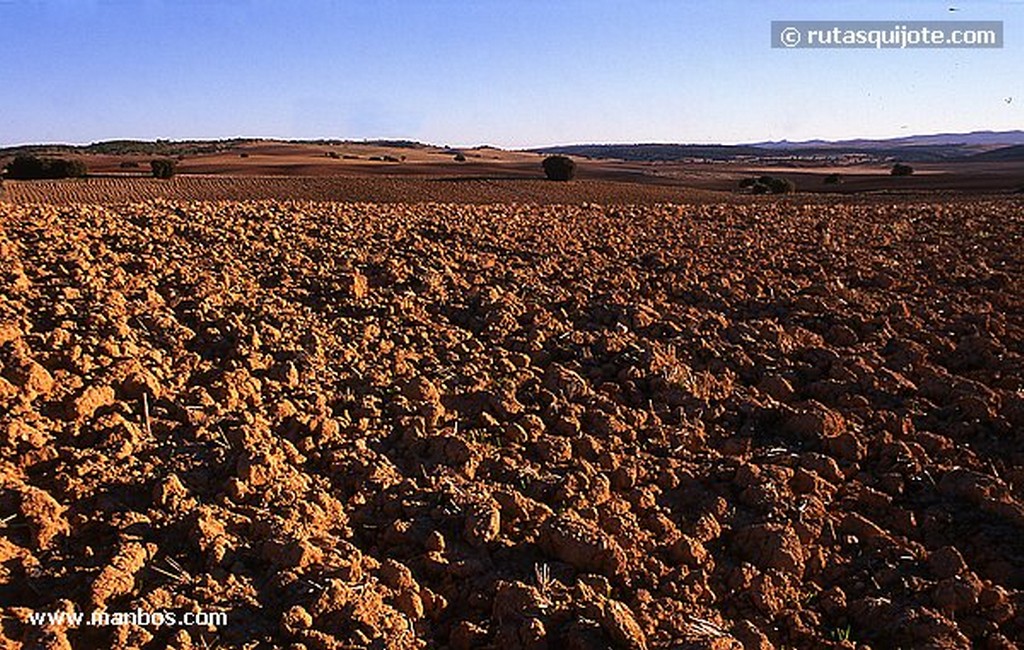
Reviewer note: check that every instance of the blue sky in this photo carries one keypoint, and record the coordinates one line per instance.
(512, 73)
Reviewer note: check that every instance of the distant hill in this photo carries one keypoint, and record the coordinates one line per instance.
(129, 147)
(942, 147)
(656, 152)
(180, 147)
(676, 152)
(918, 148)
(1014, 153)
(974, 138)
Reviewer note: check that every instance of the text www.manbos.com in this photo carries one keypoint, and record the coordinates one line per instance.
(887, 34)
(139, 617)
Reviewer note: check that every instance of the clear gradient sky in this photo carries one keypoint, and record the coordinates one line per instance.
(512, 73)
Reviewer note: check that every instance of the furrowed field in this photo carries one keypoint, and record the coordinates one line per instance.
(390, 425)
(386, 189)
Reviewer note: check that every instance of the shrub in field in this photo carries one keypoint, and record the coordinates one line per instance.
(899, 169)
(831, 179)
(782, 186)
(777, 185)
(31, 167)
(559, 168)
(768, 185)
(68, 168)
(163, 167)
(460, 157)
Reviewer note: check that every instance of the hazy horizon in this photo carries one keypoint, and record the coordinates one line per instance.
(522, 75)
(485, 144)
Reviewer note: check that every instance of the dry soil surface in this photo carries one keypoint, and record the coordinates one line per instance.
(514, 426)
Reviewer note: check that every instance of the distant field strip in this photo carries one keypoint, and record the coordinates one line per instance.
(349, 189)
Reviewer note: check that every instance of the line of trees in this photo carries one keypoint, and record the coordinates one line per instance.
(33, 168)
(29, 168)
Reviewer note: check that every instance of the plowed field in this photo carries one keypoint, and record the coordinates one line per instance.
(386, 189)
(386, 425)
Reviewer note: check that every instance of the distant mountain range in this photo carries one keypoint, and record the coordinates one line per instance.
(972, 139)
(978, 145)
